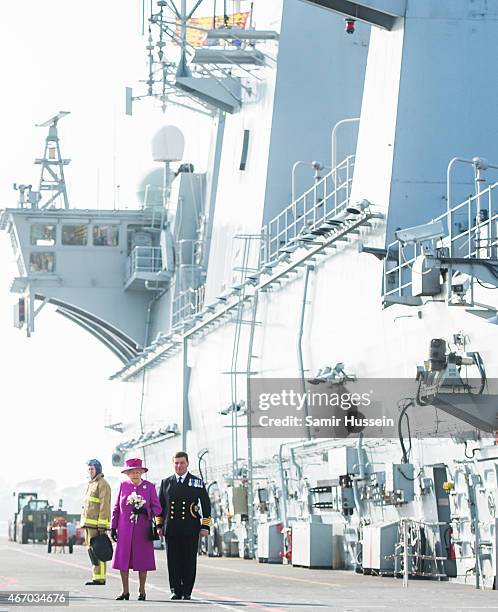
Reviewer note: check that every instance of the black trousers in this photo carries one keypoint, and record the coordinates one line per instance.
(181, 552)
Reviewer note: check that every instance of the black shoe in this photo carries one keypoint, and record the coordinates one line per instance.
(95, 582)
(141, 597)
(175, 596)
(187, 597)
(123, 596)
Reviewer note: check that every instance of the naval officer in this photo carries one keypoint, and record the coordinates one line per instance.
(182, 524)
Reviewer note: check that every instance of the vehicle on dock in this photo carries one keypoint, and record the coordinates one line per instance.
(58, 535)
(31, 519)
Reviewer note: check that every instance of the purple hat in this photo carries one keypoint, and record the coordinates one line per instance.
(133, 464)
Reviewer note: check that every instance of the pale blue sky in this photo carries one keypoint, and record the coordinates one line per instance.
(68, 55)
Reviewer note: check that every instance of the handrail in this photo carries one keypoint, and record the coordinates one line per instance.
(476, 218)
(324, 200)
(187, 304)
(144, 259)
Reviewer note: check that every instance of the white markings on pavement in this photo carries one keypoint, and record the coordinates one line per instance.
(269, 576)
(152, 586)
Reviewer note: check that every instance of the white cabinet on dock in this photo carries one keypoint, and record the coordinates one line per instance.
(312, 545)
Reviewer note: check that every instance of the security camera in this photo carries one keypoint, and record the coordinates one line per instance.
(460, 284)
(420, 233)
(359, 207)
(350, 26)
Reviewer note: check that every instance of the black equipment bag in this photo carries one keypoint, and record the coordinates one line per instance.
(101, 546)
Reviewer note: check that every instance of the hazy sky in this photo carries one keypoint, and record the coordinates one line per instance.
(78, 57)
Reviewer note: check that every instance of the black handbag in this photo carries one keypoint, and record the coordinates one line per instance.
(153, 535)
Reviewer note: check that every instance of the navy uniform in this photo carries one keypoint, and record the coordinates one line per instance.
(181, 522)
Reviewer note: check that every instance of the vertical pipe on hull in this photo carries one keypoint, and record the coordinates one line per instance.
(146, 343)
(250, 492)
(283, 483)
(309, 268)
(361, 476)
(185, 380)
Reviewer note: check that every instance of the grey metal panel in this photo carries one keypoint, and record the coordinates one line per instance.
(223, 93)
(228, 56)
(409, 133)
(320, 74)
(479, 411)
(212, 183)
(381, 13)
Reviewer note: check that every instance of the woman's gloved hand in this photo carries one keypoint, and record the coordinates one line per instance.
(143, 510)
(114, 535)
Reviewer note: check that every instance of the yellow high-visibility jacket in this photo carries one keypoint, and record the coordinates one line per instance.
(97, 506)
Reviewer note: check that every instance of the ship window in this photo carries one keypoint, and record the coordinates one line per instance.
(106, 235)
(42, 235)
(245, 149)
(75, 235)
(41, 262)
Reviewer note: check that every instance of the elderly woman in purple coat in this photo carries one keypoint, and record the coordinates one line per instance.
(135, 507)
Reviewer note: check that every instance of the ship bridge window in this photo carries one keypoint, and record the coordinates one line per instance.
(42, 235)
(75, 235)
(106, 235)
(40, 261)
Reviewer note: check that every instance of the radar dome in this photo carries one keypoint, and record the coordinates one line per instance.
(168, 144)
(150, 188)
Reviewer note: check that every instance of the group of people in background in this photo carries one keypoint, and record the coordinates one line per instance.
(180, 513)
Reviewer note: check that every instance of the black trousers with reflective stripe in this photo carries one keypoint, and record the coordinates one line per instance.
(181, 553)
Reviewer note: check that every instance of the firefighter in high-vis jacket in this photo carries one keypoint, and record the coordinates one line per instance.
(96, 514)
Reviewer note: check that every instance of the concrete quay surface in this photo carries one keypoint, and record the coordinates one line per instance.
(229, 584)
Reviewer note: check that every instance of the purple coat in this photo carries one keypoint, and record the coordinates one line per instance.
(134, 550)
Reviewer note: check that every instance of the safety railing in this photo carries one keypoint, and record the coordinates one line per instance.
(189, 252)
(186, 305)
(144, 259)
(471, 232)
(327, 198)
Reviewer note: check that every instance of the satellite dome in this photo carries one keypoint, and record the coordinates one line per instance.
(150, 188)
(168, 144)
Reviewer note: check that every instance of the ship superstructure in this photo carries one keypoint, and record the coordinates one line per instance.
(303, 256)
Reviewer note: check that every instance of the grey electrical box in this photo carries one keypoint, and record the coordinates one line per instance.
(344, 460)
(399, 483)
(238, 500)
(425, 280)
(379, 543)
(312, 545)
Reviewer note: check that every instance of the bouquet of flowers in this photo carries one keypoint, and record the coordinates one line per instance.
(138, 503)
